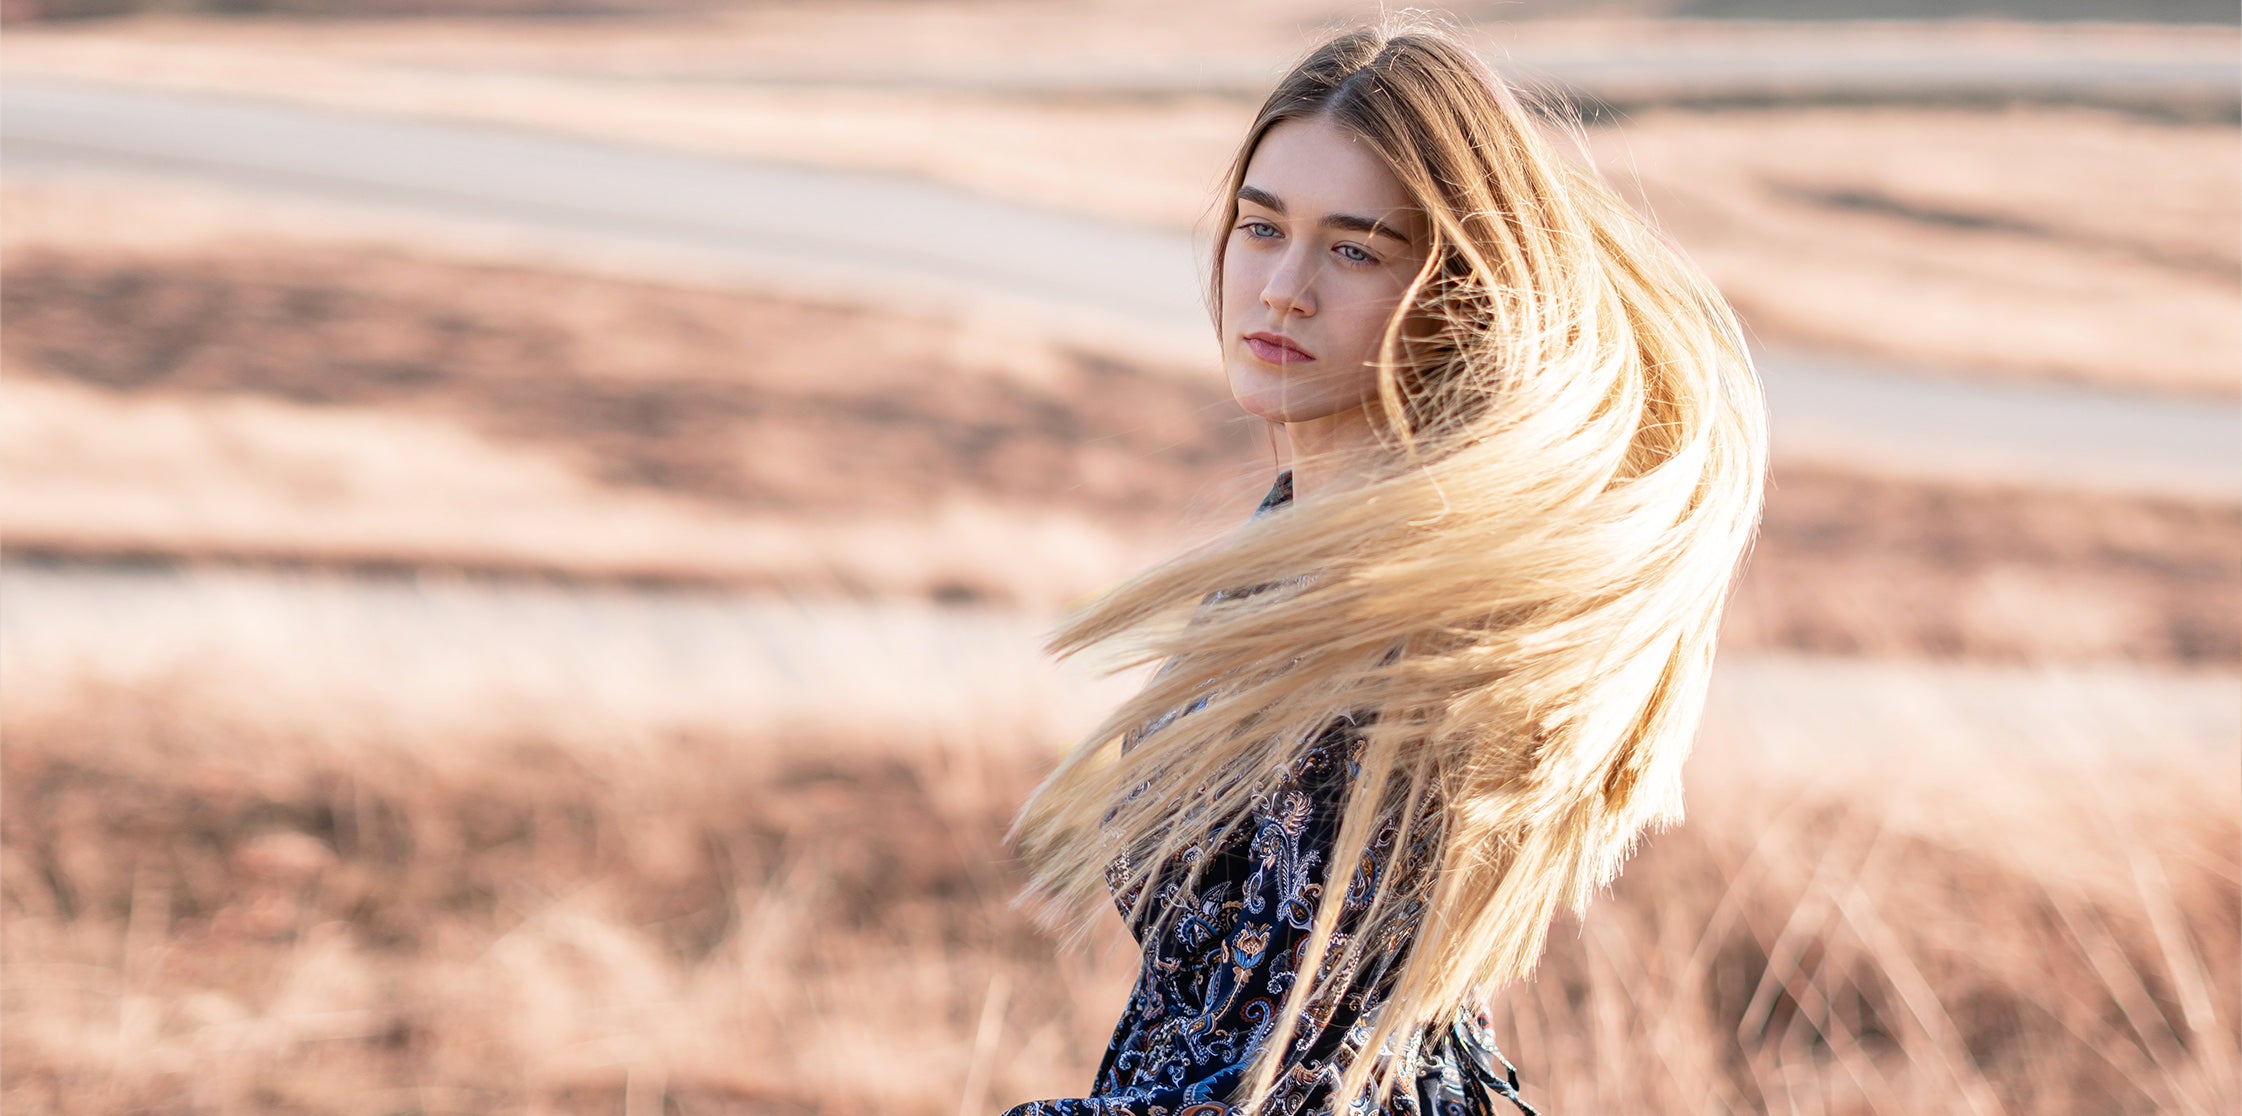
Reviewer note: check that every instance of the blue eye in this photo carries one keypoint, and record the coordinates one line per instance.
(1366, 257)
(1252, 225)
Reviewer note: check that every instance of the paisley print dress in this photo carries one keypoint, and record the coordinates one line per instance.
(1211, 983)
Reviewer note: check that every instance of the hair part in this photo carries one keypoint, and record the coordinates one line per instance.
(1526, 595)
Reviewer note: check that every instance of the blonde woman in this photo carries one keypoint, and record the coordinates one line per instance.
(1459, 651)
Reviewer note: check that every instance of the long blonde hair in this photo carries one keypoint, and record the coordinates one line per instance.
(1527, 592)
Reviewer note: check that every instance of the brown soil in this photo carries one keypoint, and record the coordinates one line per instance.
(731, 407)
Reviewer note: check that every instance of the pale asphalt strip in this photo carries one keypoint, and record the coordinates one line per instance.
(890, 237)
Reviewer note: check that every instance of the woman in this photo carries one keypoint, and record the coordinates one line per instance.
(1462, 646)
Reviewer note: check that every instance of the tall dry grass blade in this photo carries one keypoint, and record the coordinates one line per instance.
(1766, 1069)
(985, 1037)
(1736, 877)
(147, 923)
(2130, 1061)
(1817, 995)
(1867, 1077)
(2190, 980)
(1799, 931)
(1919, 998)
(2158, 1042)
(1655, 1006)
(645, 1089)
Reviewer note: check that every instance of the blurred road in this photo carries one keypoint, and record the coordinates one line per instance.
(429, 654)
(1890, 62)
(883, 237)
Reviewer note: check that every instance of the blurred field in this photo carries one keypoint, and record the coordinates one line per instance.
(2080, 241)
(446, 674)
(229, 892)
(285, 400)
(411, 844)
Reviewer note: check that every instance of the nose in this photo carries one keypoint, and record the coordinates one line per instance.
(1291, 285)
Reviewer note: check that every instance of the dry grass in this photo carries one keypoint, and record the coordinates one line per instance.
(765, 403)
(297, 402)
(1970, 240)
(1855, 564)
(220, 897)
(1986, 243)
(408, 846)
(345, 406)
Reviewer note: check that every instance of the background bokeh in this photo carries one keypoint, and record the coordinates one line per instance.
(526, 530)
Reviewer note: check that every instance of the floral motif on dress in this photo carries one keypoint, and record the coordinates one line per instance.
(1229, 948)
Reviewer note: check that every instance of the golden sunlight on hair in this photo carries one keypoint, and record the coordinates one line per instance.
(1519, 608)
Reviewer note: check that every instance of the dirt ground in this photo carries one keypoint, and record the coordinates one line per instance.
(301, 402)
(2039, 241)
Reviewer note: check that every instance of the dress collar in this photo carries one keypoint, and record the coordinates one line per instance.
(1279, 495)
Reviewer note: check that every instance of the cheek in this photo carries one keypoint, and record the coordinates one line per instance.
(1237, 287)
(1364, 326)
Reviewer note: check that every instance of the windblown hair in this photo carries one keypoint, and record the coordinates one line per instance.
(1526, 593)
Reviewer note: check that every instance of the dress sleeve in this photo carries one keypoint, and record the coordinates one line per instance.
(1207, 995)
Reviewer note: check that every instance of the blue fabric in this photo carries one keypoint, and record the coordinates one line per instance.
(1214, 978)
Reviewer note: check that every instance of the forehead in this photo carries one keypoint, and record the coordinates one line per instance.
(1315, 168)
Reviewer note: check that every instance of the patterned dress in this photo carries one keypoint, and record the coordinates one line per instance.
(1211, 984)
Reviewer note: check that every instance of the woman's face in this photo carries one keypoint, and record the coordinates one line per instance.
(1325, 242)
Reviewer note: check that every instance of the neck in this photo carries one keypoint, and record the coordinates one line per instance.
(1331, 454)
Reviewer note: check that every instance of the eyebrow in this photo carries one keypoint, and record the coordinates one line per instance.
(1348, 221)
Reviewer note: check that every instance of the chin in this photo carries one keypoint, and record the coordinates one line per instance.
(1264, 394)
(1265, 404)
(1272, 411)
(1270, 398)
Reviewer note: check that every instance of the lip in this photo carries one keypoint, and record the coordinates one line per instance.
(1275, 348)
